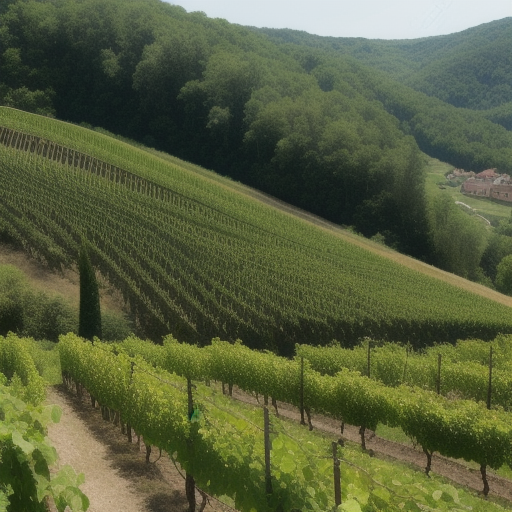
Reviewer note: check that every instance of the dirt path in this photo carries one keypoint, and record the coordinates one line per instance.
(77, 446)
(117, 477)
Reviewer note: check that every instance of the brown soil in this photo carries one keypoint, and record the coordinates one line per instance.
(65, 283)
(117, 477)
(458, 472)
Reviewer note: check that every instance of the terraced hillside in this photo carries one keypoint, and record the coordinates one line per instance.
(197, 257)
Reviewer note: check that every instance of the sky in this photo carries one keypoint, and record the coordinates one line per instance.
(372, 19)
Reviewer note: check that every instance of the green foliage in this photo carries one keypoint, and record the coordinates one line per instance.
(302, 125)
(45, 355)
(26, 458)
(467, 69)
(504, 275)
(464, 368)
(11, 315)
(498, 247)
(114, 326)
(38, 315)
(13, 289)
(223, 447)
(500, 115)
(177, 246)
(331, 125)
(17, 364)
(89, 321)
(48, 317)
(186, 360)
(358, 400)
(38, 102)
(459, 240)
(30, 313)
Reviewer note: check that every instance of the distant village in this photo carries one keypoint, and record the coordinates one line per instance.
(487, 183)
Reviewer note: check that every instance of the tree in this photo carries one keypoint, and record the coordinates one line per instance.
(459, 240)
(89, 324)
(504, 275)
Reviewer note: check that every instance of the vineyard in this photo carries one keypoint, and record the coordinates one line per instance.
(471, 369)
(195, 258)
(174, 397)
(26, 457)
(265, 464)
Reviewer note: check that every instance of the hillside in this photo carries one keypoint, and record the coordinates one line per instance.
(469, 69)
(318, 129)
(198, 258)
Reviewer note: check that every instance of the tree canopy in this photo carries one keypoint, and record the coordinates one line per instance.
(333, 125)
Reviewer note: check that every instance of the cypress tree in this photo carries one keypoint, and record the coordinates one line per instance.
(89, 324)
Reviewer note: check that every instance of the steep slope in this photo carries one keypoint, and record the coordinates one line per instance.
(317, 129)
(198, 259)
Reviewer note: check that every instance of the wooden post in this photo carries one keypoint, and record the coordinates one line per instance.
(190, 484)
(337, 474)
(483, 467)
(368, 362)
(268, 447)
(301, 392)
(128, 426)
(489, 388)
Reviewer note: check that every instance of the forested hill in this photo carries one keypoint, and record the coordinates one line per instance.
(320, 130)
(471, 69)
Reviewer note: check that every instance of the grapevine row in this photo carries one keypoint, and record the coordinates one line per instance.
(26, 454)
(210, 280)
(459, 429)
(457, 372)
(224, 452)
(15, 360)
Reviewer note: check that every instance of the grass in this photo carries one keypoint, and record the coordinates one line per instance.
(436, 175)
(47, 360)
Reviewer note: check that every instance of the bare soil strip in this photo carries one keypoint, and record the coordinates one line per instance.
(117, 477)
(77, 446)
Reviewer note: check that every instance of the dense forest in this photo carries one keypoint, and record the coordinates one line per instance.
(335, 126)
(470, 69)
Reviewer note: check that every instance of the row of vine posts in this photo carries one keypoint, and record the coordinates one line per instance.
(190, 485)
